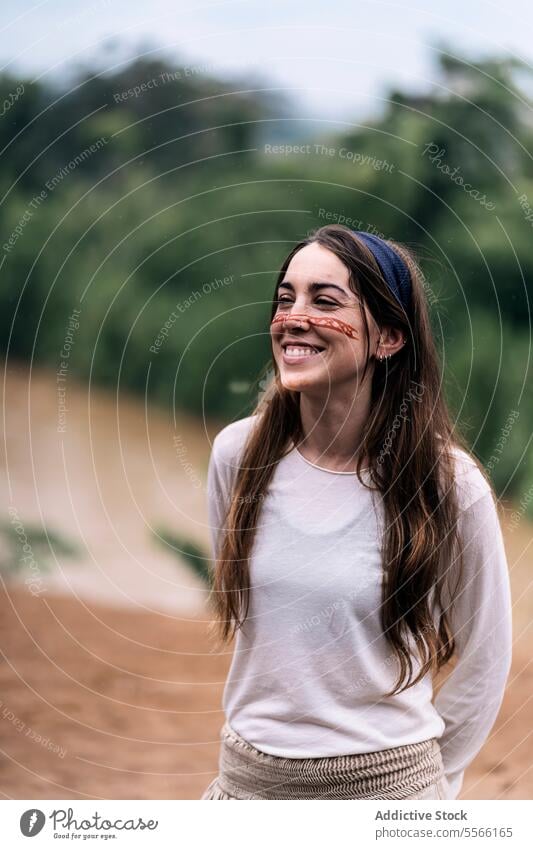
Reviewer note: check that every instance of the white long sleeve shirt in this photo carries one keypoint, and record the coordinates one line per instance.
(311, 664)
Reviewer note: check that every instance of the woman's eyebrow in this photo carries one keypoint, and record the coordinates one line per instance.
(315, 287)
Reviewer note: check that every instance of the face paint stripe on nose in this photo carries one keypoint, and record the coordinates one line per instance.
(320, 321)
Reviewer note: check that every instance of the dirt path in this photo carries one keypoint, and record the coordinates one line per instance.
(127, 706)
(107, 481)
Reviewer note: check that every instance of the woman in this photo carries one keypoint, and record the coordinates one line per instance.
(357, 548)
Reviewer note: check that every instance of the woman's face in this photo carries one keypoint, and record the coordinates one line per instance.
(340, 358)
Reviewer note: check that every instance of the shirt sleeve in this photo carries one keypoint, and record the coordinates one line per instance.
(217, 497)
(480, 619)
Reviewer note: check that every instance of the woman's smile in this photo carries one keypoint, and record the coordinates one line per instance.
(300, 353)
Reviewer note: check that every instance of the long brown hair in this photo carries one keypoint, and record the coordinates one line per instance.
(409, 458)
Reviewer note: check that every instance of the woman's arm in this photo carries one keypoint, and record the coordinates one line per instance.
(217, 496)
(224, 463)
(480, 619)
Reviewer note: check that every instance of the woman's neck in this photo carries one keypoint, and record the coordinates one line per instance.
(332, 429)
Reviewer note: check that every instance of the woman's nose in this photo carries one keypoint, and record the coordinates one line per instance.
(296, 319)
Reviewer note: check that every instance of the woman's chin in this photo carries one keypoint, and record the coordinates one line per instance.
(299, 380)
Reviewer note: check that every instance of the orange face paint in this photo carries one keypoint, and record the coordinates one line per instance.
(319, 320)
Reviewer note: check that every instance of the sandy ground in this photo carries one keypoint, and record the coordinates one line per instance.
(106, 703)
(108, 480)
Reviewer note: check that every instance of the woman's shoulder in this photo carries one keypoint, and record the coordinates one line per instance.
(229, 442)
(470, 478)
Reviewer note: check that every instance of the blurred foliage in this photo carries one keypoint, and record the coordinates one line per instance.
(179, 193)
(36, 544)
(188, 551)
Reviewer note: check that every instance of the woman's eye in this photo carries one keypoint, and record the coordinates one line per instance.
(321, 301)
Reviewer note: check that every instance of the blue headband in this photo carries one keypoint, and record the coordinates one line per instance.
(392, 267)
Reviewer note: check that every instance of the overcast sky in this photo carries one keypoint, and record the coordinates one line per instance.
(338, 58)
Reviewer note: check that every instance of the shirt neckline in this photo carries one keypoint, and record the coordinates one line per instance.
(321, 468)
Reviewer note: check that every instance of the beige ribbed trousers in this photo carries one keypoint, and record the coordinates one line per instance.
(413, 771)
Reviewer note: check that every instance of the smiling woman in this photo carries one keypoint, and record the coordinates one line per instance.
(362, 502)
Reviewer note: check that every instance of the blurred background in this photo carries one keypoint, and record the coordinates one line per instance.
(157, 165)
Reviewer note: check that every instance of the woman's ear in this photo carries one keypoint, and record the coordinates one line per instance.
(391, 340)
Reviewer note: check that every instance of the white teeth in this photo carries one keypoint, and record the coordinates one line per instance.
(293, 351)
